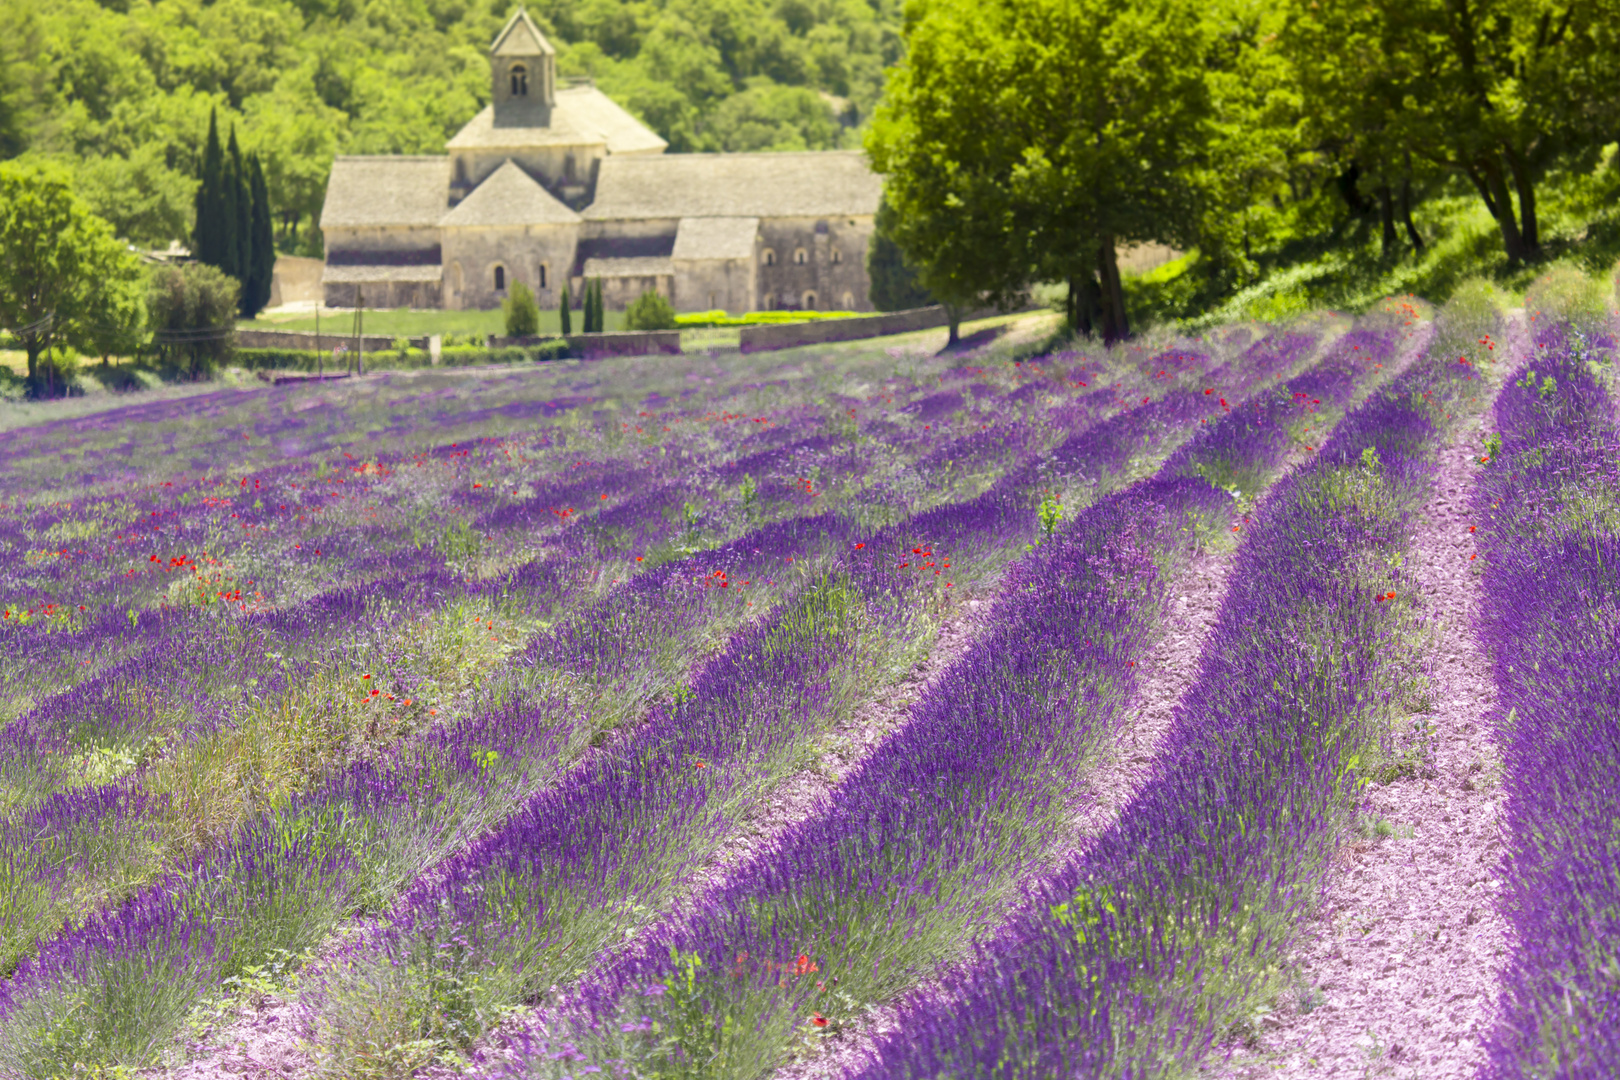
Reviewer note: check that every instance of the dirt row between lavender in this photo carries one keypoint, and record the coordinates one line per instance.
(1398, 976)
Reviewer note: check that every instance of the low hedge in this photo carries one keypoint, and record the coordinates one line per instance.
(398, 359)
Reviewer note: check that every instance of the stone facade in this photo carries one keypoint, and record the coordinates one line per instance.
(553, 183)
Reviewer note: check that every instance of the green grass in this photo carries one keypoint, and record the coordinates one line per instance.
(1341, 266)
(404, 322)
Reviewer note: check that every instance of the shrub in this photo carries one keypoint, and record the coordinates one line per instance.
(521, 311)
(193, 317)
(1564, 294)
(651, 311)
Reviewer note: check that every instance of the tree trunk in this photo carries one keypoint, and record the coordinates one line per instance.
(1115, 325)
(954, 316)
(1525, 187)
(1386, 213)
(1484, 191)
(1084, 303)
(1406, 214)
(1511, 240)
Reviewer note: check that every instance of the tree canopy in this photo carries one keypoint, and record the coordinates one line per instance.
(65, 280)
(123, 91)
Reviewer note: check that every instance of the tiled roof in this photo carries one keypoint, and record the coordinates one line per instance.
(824, 183)
(641, 266)
(716, 238)
(375, 191)
(365, 275)
(582, 116)
(520, 37)
(509, 196)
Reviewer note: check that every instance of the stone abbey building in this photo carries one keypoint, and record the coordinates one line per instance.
(552, 184)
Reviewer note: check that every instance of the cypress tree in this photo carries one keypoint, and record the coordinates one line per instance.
(208, 236)
(565, 319)
(263, 240)
(240, 201)
(590, 306)
(596, 306)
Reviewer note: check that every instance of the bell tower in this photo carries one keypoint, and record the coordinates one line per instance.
(523, 66)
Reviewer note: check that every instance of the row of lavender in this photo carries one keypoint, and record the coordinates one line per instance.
(538, 900)
(1549, 505)
(187, 690)
(921, 848)
(479, 763)
(1133, 958)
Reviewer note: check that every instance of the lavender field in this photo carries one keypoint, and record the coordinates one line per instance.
(861, 713)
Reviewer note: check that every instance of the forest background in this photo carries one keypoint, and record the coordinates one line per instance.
(1318, 151)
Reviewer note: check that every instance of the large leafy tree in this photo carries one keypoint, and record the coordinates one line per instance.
(1498, 91)
(65, 279)
(1032, 138)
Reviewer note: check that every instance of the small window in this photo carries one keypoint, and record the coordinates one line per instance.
(837, 256)
(769, 303)
(500, 278)
(520, 81)
(800, 256)
(849, 301)
(455, 278)
(809, 301)
(542, 275)
(770, 257)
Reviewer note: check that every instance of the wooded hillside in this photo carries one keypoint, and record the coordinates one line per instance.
(122, 90)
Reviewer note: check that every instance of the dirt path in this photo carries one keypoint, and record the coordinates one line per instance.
(1168, 669)
(1398, 974)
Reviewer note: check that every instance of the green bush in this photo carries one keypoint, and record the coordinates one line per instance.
(192, 312)
(651, 311)
(1565, 293)
(521, 311)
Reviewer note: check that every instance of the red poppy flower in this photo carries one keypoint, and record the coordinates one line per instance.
(819, 1020)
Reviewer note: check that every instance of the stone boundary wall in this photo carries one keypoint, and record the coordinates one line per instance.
(612, 343)
(763, 337)
(305, 339)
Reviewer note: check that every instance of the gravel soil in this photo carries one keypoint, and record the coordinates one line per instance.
(1100, 794)
(1398, 974)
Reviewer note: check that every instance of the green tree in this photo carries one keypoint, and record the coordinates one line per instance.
(192, 311)
(239, 201)
(262, 249)
(650, 311)
(145, 201)
(1030, 139)
(213, 237)
(1497, 91)
(521, 312)
(565, 317)
(64, 277)
(894, 281)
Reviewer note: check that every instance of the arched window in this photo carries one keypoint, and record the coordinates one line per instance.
(520, 81)
(770, 257)
(500, 278)
(769, 302)
(849, 301)
(800, 256)
(542, 275)
(809, 301)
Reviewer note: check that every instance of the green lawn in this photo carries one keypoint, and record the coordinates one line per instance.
(403, 322)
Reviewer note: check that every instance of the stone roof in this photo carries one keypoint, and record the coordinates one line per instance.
(813, 183)
(509, 196)
(520, 37)
(375, 191)
(582, 116)
(365, 275)
(639, 266)
(716, 238)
